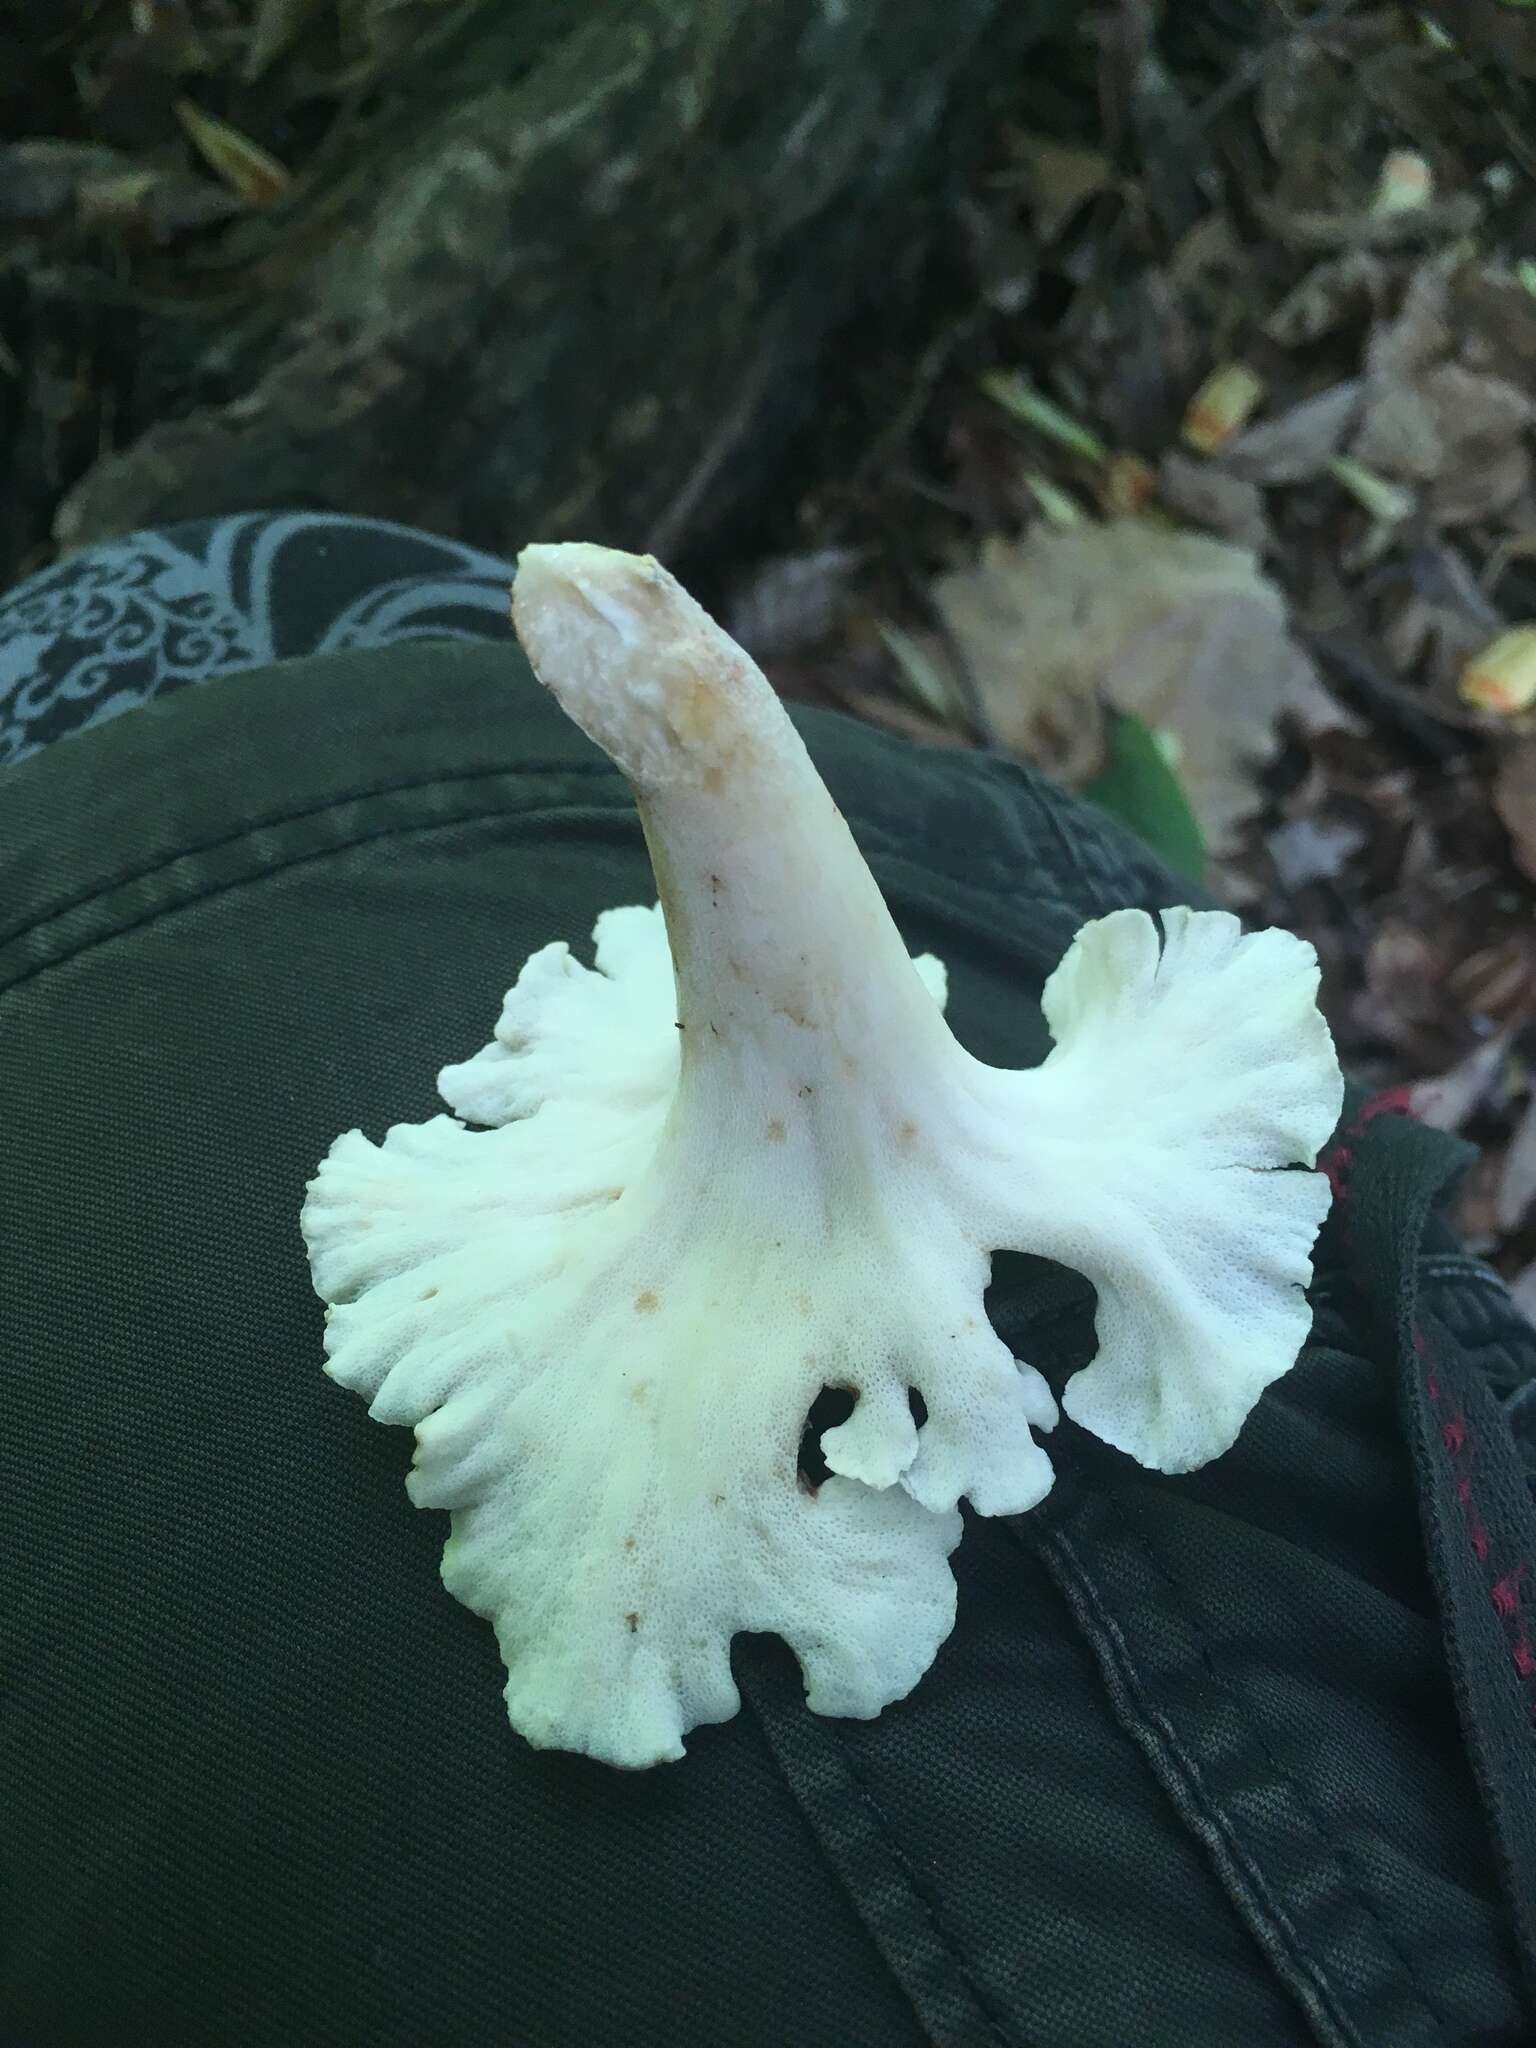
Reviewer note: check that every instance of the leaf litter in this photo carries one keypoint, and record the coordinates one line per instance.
(1233, 495)
(1215, 499)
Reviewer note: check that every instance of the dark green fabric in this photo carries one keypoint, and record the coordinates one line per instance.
(1195, 1766)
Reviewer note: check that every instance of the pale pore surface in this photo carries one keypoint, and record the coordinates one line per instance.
(608, 1313)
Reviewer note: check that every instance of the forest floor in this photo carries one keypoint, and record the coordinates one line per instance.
(1216, 501)
(1201, 478)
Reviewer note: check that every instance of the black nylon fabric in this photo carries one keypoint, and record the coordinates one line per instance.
(1191, 1768)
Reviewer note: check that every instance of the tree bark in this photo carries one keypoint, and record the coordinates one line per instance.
(572, 276)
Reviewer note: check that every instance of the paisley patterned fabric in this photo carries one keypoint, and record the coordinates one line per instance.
(104, 630)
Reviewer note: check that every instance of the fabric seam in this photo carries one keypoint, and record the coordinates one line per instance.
(1344, 1858)
(982, 892)
(985, 2000)
(1302, 1973)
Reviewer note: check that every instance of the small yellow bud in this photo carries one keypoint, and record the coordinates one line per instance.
(1503, 677)
(1221, 407)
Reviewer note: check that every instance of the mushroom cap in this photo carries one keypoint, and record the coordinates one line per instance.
(741, 1158)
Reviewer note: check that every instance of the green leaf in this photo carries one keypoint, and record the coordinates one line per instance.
(1137, 786)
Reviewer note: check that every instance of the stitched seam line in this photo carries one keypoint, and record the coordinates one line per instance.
(1302, 1974)
(1458, 1444)
(821, 1823)
(890, 854)
(1441, 1267)
(1314, 1814)
(888, 830)
(988, 2004)
(275, 823)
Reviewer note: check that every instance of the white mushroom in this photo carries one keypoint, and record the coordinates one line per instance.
(721, 1174)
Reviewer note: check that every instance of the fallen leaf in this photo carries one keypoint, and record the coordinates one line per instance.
(244, 165)
(1209, 495)
(1503, 31)
(1331, 294)
(1497, 982)
(921, 670)
(1312, 850)
(1139, 785)
(1522, 1291)
(1443, 220)
(789, 602)
(278, 24)
(1495, 316)
(895, 715)
(1514, 798)
(1475, 1204)
(1297, 444)
(1429, 419)
(1517, 1184)
(1060, 177)
(1431, 638)
(1450, 1099)
(40, 179)
(1174, 628)
(1405, 972)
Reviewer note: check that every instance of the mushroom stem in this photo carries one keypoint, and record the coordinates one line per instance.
(779, 935)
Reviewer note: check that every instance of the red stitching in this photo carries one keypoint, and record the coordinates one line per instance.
(1396, 1101)
(1337, 1159)
(1505, 1592)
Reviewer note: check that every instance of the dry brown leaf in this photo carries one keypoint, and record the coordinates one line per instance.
(40, 180)
(1402, 1000)
(1182, 631)
(789, 602)
(1298, 443)
(1522, 1290)
(1443, 220)
(1312, 850)
(1514, 798)
(1338, 290)
(1496, 318)
(1517, 1183)
(1429, 419)
(1498, 30)
(1424, 637)
(1497, 982)
(277, 24)
(1475, 1205)
(1060, 176)
(1209, 495)
(896, 715)
(1450, 1099)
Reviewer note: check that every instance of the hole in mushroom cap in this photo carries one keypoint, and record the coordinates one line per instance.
(1024, 1291)
(830, 1407)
